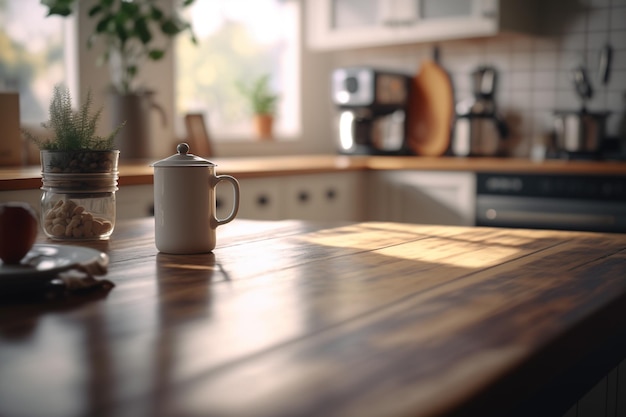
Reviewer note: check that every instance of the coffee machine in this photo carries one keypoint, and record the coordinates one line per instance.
(479, 128)
(371, 110)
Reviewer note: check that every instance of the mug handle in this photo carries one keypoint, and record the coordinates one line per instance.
(216, 180)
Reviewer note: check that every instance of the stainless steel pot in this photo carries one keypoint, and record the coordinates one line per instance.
(580, 131)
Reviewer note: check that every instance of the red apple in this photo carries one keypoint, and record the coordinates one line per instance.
(18, 231)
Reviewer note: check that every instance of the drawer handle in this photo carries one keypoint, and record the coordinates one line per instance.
(331, 194)
(262, 200)
(218, 203)
(303, 196)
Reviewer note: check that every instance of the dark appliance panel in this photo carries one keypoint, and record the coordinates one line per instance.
(564, 202)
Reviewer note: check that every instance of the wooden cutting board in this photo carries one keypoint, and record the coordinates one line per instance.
(430, 111)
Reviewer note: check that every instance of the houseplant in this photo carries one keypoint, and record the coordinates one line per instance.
(262, 103)
(132, 33)
(79, 171)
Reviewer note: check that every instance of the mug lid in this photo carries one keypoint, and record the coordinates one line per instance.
(183, 158)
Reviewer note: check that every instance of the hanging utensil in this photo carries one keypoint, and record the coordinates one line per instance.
(582, 84)
(604, 66)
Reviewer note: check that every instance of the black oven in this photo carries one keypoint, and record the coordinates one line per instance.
(565, 202)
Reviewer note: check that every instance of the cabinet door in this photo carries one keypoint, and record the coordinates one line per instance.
(337, 24)
(261, 198)
(334, 24)
(427, 197)
(332, 196)
(134, 201)
(382, 196)
(31, 197)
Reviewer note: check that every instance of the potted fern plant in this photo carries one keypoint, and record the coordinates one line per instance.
(262, 103)
(79, 171)
(74, 146)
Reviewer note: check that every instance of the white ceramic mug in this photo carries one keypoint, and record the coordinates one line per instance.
(184, 203)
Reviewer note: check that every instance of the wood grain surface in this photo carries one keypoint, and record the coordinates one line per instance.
(296, 318)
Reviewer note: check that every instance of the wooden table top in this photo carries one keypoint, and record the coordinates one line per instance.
(296, 318)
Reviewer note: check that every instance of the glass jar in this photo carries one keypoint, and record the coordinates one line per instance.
(78, 204)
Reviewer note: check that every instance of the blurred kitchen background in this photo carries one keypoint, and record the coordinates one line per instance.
(534, 65)
(533, 45)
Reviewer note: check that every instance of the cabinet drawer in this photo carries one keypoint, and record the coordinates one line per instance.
(334, 196)
(261, 198)
(424, 197)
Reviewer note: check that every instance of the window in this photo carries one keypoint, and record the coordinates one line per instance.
(36, 52)
(238, 41)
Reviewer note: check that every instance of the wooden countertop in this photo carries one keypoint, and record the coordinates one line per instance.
(296, 318)
(140, 172)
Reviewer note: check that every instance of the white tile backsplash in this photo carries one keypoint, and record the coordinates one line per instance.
(596, 40)
(598, 20)
(567, 100)
(563, 80)
(618, 39)
(618, 60)
(535, 72)
(544, 60)
(618, 18)
(598, 101)
(544, 80)
(543, 100)
(617, 82)
(570, 59)
(521, 80)
(522, 61)
(522, 99)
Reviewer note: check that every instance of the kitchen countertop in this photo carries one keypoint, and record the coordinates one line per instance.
(297, 318)
(140, 172)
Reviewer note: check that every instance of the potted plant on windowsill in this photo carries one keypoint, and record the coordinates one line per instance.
(262, 103)
(79, 172)
(133, 33)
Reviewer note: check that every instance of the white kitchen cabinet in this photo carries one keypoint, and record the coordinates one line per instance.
(32, 197)
(331, 196)
(339, 24)
(260, 198)
(134, 201)
(327, 196)
(324, 196)
(426, 197)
